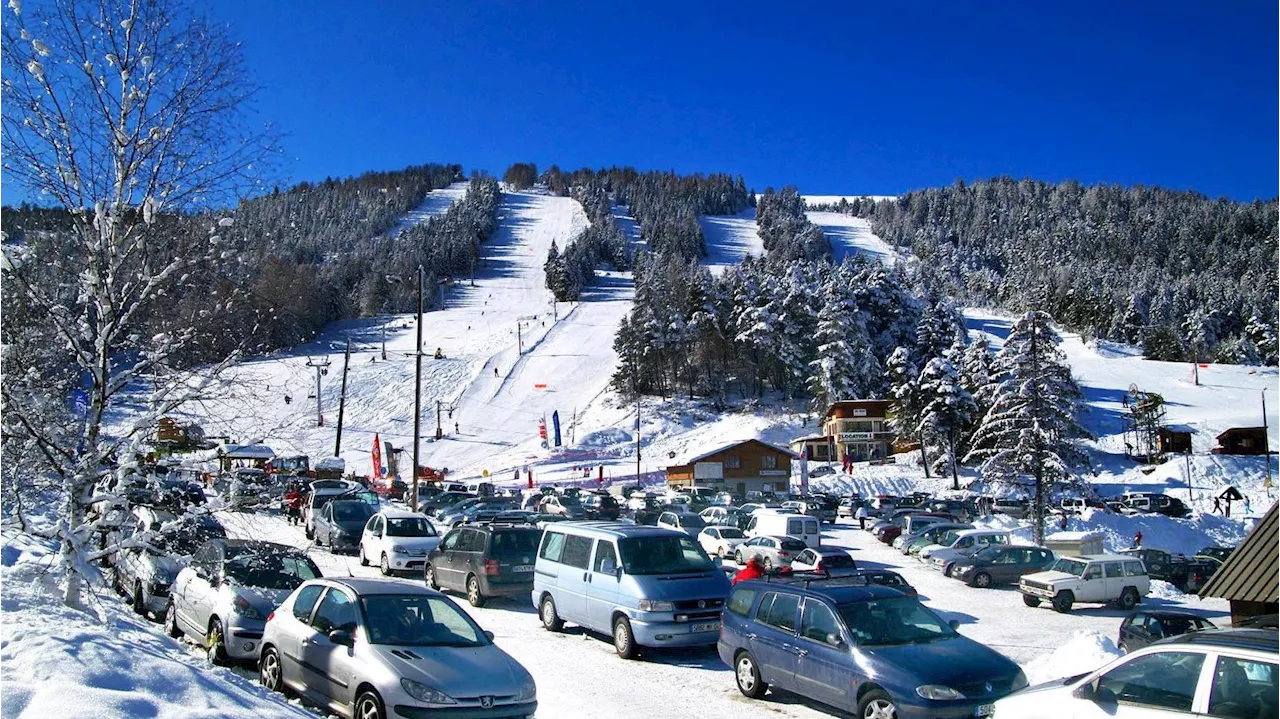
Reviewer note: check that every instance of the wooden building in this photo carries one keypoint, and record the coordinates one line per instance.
(815, 448)
(1174, 440)
(1242, 440)
(859, 428)
(235, 456)
(741, 467)
(1250, 579)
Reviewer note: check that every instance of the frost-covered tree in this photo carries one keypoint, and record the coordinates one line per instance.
(1031, 428)
(118, 113)
(947, 412)
(903, 380)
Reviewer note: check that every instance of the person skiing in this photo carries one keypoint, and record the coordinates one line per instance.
(861, 515)
(293, 499)
(753, 570)
(495, 371)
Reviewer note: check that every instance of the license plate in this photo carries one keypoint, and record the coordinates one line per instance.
(706, 627)
(523, 568)
(984, 710)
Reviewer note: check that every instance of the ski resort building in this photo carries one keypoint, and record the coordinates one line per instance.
(741, 467)
(859, 429)
(1242, 440)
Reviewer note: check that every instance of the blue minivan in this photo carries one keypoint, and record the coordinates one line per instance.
(866, 649)
(646, 586)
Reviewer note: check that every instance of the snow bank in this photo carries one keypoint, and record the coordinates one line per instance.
(59, 662)
(1084, 652)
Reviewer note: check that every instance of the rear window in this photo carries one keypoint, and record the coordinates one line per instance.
(515, 543)
(741, 599)
(794, 545)
(837, 560)
(1134, 569)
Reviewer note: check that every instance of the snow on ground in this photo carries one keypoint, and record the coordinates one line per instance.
(1085, 651)
(60, 662)
(849, 235)
(730, 239)
(435, 203)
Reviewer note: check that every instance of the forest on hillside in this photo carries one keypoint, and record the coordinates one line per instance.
(1186, 276)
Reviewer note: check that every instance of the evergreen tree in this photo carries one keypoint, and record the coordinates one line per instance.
(1031, 426)
(904, 387)
(947, 412)
(832, 376)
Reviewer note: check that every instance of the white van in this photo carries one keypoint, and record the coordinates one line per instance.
(967, 543)
(775, 524)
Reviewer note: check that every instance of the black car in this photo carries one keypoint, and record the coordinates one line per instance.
(1001, 565)
(442, 500)
(599, 505)
(1218, 553)
(487, 560)
(340, 523)
(1148, 625)
(1187, 574)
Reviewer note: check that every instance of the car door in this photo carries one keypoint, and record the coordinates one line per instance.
(1114, 573)
(294, 628)
(468, 557)
(774, 640)
(1094, 585)
(201, 592)
(602, 586)
(571, 601)
(1011, 563)
(1151, 686)
(823, 660)
(370, 538)
(444, 563)
(322, 663)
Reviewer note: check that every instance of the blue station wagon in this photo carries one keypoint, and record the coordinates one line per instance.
(865, 649)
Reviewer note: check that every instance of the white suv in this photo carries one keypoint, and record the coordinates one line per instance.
(1096, 578)
(1215, 673)
(397, 540)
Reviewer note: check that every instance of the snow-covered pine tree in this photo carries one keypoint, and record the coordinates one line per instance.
(831, 378)
(947, 412)
(1031, 426)
(903, 380)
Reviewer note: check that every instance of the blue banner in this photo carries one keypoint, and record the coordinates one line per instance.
(555, 423)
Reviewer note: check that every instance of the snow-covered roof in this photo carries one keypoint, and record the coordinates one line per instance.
(332, 464)
(731, 445)
(1074, 536)
(246, 451)
(811, 438)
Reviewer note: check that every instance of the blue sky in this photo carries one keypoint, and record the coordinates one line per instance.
(849, 97)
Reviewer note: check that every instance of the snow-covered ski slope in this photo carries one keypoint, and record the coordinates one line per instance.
(849, 235)
(730, 239)
(435, 203)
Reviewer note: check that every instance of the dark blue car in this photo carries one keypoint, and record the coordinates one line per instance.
(870, 650)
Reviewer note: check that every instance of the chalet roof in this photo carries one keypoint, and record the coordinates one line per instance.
(811, 438)
(246, 451)
(1235, 430)
(731, 445)
(1250, 574)
(332, 464)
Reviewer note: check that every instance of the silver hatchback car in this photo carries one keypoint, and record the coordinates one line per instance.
(369, 648)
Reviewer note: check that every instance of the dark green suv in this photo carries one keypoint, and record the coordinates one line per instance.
(487, 560)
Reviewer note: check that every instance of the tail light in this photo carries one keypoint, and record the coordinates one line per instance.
(271, 616)
(491, 566)
(784, 554)
(818, 567)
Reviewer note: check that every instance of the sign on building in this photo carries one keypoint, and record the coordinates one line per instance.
(708, 470)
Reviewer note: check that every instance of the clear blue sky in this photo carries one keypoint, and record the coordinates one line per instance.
(874, 98)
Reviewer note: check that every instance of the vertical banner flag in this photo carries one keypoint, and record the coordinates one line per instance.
(555, 424)
(542, 430)
(393, 462)
(377, 456)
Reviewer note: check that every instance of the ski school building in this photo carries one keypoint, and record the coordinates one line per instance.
(853, 428)
(741, 467)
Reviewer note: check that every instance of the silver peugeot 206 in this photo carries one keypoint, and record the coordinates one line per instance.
(379, 648)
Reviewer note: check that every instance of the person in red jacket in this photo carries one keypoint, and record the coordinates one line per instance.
(753, 570)
(293, 500)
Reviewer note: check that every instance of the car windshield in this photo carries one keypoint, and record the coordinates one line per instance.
(269, 569)
(351, 511)
(1070, 566)
(732, 533)
(947, 537)
(893, 620)
(670, 554)
(515, 543)
(410, 527)
(419, 620)
(837, 560)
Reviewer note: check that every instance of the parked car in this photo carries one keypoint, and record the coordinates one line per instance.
(1149, 625)
(900, 522)
(827, 560)
(223, 598)
(863, 649)
(600, 506)
(932, 534)
(1188, 575)
(721, 541)
(645, 586)
(470, 511)
(398, 540)
(1218, 553)
(493, 560)
(339, 523)
(774, 524)
(1098, 578)
(144, 575)
(879, 577)
(774, 552)
(966, 543)
(1013, 507)
(687, 522)
(376, 648)
(1214, 673)
(426, 490)
(998, 565)
(567, 506)
(444, 499)
(320, 493)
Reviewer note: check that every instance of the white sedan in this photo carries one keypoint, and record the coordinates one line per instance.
(721, 541)
(397, 540)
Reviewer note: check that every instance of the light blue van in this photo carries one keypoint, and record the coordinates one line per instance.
(646, 586)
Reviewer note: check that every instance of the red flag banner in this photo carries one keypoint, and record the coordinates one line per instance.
(377, 456)
(542, 429)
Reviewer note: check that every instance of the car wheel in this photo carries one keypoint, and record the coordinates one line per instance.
(1128, 598)
(737, 557)
(269, 670)
(369, 706)
(385, 565)
(876, 704)
(430, 575)
(747, 675)
(473, 592)
(720, 551)
(946, 569)
(1030, 601)
(1063, 600)
(624, 642)
(364, 561)
(1124, 647)
(310, 534)
(216, 644)
(171, 621)
(982, 580)
(139, 601)
(550, 620)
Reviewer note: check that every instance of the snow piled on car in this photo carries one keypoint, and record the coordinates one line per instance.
(1085, 651)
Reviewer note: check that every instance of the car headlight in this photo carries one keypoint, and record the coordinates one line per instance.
(397, 549)
(650, 605)
(938, 692)
(425, 694)
(243, 608)
(1019, 681)
(528, 691)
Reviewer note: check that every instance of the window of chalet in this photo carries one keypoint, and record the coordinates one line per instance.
(733, 461)
(769, 461)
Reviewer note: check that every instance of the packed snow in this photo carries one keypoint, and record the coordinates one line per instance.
(730, 239)
(435, 203)
(849, 235)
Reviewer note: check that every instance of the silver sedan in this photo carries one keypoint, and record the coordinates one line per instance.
(377, 648)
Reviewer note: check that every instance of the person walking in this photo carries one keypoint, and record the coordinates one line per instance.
(293, 498)
(861, 515)
(753, 570)
(1137, 538)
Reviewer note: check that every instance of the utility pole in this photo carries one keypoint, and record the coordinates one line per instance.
(321, 368)
(439, 432)
(637, 440)
(573, 425)
(417, 397)
(519, 339)
(1191, 497)
(384, 340)
(1266, 441)
(342, 400)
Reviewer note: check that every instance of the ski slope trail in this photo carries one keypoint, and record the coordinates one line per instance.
(435, 203)
(730, 239)
(849, 235)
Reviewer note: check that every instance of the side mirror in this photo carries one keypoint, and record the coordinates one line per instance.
(488, 635)
(954, 623)
(834, 640)
(343, 637)
(201, 572)
(608, 566)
